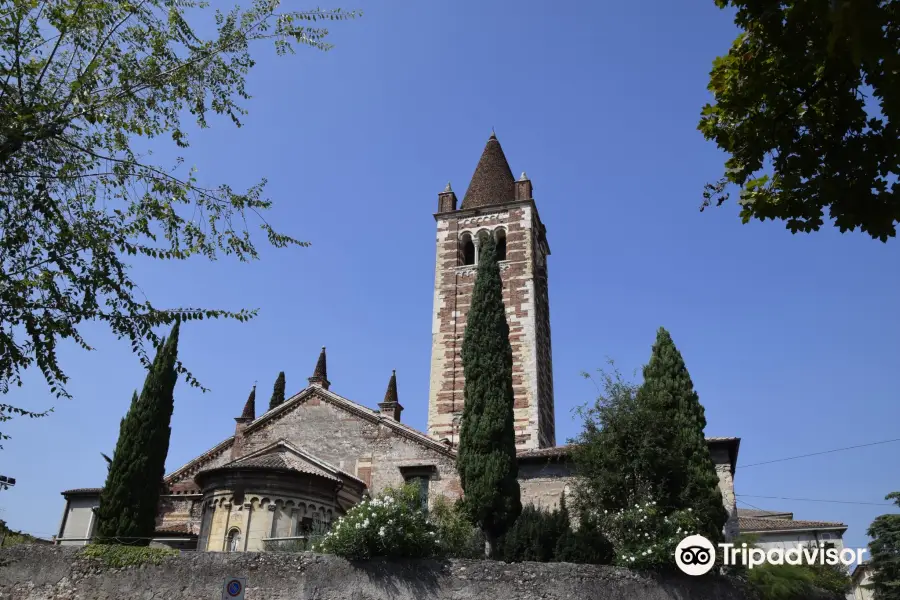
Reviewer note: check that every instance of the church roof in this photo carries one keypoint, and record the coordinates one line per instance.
(493, 181)
(284, 456)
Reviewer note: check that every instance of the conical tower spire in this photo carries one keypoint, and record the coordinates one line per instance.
(493, 181)
(390, 407)
(250, 406)
(320, 374)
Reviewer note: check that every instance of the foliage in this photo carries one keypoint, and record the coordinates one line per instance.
(781, 582)
(391, 525)
(644, 536)
(126, 556)
(459, 538)
(128, 501)
(790, 582)
(884, 550)
(9, 537)
(80, 82)
(585, 543)
(534, 536)
(677, 461)
(277, 392)
(486, 459)
(645, 443)
(831, 578)
(809, 92)
(603, 455)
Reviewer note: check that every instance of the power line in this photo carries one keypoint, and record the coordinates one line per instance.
(812, 500)
(751, 506)
(768, 462)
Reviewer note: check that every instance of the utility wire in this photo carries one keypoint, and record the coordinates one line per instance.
(812, 500)
(768, 462)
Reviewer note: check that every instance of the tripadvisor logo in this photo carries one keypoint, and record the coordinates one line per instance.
(696, 555)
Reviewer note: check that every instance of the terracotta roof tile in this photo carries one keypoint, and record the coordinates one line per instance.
(493, 181)
(750, 524)
(84, 491)
(183, 528)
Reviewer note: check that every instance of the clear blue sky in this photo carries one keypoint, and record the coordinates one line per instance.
(792, 341)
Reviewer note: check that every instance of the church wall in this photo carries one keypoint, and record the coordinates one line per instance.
(177, 509)
(372, 452)
(543, 483)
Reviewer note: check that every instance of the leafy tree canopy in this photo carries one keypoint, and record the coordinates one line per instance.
(80, 81)
(885, 551)
(807, 104)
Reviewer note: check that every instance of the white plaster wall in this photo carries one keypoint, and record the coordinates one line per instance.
(80, 520)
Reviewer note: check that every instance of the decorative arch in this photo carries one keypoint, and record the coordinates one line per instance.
(233, 540)
(466, 253)
(500, 238)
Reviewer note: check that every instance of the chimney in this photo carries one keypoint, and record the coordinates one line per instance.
(241, 423)
(390, 407)
(523, 188)
(447, 200)
(320, 374)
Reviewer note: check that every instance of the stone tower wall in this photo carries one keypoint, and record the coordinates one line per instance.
(527, 310)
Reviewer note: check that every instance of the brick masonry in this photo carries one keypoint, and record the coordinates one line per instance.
(525, 294)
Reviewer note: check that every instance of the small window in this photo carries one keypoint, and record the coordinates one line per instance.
(500, 236)
(466, 250)
(422, 482)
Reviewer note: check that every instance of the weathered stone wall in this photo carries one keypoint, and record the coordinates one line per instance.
(542, 483)
(58, 573)
(527, 310)
(371, 451)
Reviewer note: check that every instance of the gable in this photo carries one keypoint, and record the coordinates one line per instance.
(352, 412)
(283, 455)
(216, 456)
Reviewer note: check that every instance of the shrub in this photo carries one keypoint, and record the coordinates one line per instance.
(585, 544)
(391, 525)
(125, 556)
(781, 582)
(459, 537)
(645, 536)
(533, 536)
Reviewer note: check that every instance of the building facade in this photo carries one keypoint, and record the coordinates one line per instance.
(304, 463)
(774, 529)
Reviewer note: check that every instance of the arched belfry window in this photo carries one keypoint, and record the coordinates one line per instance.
(500, 236)
(466, 249)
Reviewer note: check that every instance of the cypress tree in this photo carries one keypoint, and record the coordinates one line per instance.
(486, 460)
(676, 455)
(128, 502)
(277, 392)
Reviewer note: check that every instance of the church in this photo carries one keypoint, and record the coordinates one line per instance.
(310, 459)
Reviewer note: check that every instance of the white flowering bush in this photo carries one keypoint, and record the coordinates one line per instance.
(392, 525)
(644, 535)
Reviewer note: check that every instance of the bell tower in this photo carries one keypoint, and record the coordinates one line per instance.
(496, 204)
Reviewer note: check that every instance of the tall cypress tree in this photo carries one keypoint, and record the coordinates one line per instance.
(128, 502)
(486, 460)
(277, 392)
(676, 455)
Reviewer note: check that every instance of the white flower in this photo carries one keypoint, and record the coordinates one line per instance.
(381, 532)
(690, 510)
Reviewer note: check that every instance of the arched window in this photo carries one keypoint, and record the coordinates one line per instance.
(500, 236)
(234, 540)
(466, 250)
